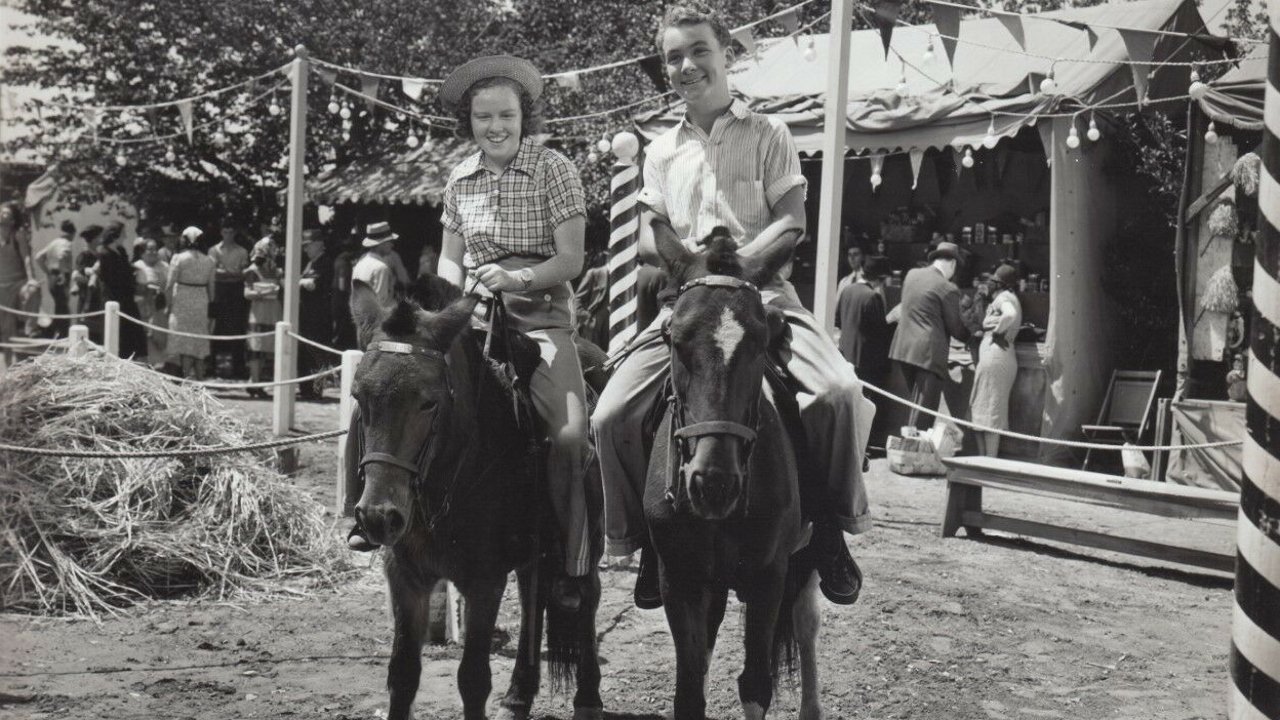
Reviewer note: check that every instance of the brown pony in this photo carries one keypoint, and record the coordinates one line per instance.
(722, 499)
(447, 492)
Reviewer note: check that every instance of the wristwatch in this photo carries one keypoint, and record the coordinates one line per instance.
(526, 278)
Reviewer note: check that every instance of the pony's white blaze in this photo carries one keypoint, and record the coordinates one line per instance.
(728, 335)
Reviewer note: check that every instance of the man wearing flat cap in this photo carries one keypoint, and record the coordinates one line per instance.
(929, 313)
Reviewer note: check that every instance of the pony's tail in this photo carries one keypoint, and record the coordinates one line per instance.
(567, 633)
(786, 649)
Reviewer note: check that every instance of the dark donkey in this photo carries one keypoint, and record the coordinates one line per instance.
(446, 492)
(722, 499)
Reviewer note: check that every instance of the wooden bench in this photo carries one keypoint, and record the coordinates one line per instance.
(967, 476)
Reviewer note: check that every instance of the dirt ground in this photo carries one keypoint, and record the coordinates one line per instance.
(946, 629)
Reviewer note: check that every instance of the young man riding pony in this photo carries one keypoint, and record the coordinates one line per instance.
(726, 165)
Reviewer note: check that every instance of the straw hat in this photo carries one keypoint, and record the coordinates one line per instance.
(460, 80)
(377, 234)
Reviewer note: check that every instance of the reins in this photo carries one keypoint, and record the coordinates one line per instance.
(681, 430)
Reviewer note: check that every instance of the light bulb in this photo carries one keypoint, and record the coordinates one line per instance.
(344, 112)
(1094, 134)
(928, 55)
(810, 53)
(1197, 90)
(121, 160)
(274, 109)
(1073, 138)
(1211, 135)
(625, 145)
(603, 146)
(592, 157)
(333, 107)
(990, 140)
(1048, 86)
(346, 136)
(876, 179)
(169, 156)
(967, 160)
(412, 141)
(902, 90)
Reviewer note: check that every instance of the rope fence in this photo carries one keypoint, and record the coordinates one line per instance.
(213, 385)
(189, 452)
(314, 344)
(197, 336)
(1049, 441)
(52, 316)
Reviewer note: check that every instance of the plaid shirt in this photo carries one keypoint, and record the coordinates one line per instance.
(731, 177)
(516, 212)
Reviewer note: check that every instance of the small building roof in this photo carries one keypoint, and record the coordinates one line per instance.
(414, 176)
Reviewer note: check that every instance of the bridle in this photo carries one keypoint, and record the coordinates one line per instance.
(426, 454)
(682, 430)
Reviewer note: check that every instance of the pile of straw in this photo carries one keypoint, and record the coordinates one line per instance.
(89, 536)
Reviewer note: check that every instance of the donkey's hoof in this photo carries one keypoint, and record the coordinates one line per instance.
(583, 713)
(811, 713)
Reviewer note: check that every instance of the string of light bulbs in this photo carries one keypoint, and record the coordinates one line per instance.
(155, 138)
(166, 103)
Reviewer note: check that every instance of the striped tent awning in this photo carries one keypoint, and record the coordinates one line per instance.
(413, 177)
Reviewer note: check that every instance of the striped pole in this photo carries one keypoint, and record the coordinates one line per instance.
(624, 239)
(1255, 626)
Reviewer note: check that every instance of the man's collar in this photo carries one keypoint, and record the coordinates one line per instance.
(737, 108)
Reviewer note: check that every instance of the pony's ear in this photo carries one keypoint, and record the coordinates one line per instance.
(367, 313)
(441, 328)
(763, 266)
(673, 253)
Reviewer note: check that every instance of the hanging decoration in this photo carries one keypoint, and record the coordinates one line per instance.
(947, 20)
(744, 38)
(1073, 137)
(1221, 294)
(877, 164)
(1141, 47)
(1211, 135)
(569, 81)
(185, 110)
(652, 66)
(884, 15)
(967, 160)
(369, 88)
(1089, 32)
(1013, 23)
(1223, 221)
(1197, 89)
(412, 88)
(810, 52)
(1245, 173)
(790, 21)
(917, 159)
(1094, 134)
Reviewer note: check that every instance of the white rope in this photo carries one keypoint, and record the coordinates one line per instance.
(69, 316)
(314, 344)
(250, 385)
(198, 336)
(1050, 441)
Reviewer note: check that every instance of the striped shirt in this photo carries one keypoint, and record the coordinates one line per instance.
(515, 212)
(732, 176)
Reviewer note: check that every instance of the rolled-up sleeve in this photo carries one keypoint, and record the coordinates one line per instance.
(653, 192)
(449, 218)
(781, 163)
(565, 196)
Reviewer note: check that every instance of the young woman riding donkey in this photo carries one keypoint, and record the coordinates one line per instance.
(442, 456)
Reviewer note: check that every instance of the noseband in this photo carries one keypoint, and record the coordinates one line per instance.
(681, 430)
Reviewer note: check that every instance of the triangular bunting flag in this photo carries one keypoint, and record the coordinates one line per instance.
(957, 154)
(153, 120)
(1046, 140)
(917, 159)
(947, 18)
(1141, 47)
(326, 75)
(790, 22)
(652, 66)
(369, 88)
(412, 87)
(877, 164)
(571, 82)
(1013, 23)
(1088, 31)
(1213, 41)
(184, 109)
(744, 38)
(884, 15)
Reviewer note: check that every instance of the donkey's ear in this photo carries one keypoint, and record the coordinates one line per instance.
(764, 265)
(441, 328)
(367, 313)
(673, 253)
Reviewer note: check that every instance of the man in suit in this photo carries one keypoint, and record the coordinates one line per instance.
(865, 333)
(929, 313)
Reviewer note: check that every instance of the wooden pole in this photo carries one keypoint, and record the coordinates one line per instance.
(78, 340)
(1255, 625)
(111, 327)
(831, 200)
(624, 242)
(281, 419)
(293, 218)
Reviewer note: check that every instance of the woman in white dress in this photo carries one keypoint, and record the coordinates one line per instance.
(997, 360)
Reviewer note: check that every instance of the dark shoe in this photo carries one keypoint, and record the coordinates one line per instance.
(648, 596)
(257, 393)
(358, 542)
(566, 592)
(839, 577)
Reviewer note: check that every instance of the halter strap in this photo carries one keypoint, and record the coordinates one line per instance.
(716, 427)
(404, 348)
(721, 281)
(388, 459)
